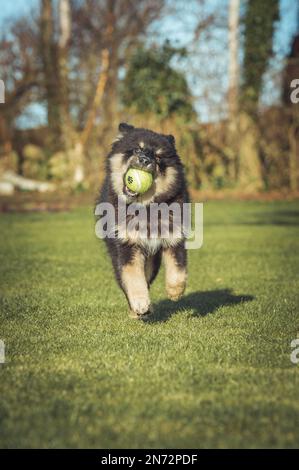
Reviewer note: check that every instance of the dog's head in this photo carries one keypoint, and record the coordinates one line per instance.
(150, 151)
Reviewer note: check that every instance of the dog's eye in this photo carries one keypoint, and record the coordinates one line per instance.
(158, 154)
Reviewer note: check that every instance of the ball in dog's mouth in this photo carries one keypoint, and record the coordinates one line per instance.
(137, 181)
(129, 192)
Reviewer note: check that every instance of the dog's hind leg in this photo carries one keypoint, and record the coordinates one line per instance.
(175, 260)
(135, 286)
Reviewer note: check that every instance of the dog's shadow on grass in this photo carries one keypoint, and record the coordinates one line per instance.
(201, 304)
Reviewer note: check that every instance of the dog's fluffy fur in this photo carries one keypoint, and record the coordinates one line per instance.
(137, 260)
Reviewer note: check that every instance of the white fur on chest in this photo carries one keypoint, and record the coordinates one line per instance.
(152, 245)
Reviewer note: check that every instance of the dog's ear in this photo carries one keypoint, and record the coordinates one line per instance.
(170, 139)
(124, 128)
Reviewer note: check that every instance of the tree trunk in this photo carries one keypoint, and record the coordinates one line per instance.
(78, 152)
(50, 72)
(249, 165)
(294, 156)
(233, 87)
(63, 43)
(110, 98)
(233, 71)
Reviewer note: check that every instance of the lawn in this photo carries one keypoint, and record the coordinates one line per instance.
(212, 370)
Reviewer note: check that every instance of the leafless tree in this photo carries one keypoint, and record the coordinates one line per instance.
(233, 71)
(20, 73)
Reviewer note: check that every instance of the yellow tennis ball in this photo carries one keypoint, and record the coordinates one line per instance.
(138, 181)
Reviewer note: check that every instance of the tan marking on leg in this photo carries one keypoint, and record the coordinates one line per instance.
(175, 276)
(135, 284)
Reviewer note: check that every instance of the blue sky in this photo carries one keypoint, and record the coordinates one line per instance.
(207, 70)
(288, 23)
(10, 8)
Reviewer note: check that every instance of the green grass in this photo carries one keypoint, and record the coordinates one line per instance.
(213, 370)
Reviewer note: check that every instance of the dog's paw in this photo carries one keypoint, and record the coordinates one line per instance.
(175, 291)
(140, 307)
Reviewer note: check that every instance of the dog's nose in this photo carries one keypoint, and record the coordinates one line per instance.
(144, 160)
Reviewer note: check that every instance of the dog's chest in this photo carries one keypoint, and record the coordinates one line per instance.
(150, 232)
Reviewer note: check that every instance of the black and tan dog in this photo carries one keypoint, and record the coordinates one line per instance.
(136, 260)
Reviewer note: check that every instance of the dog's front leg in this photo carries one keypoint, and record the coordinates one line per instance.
(175, 260)
(135, 285)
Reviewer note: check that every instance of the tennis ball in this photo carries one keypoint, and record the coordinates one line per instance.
(138, 181)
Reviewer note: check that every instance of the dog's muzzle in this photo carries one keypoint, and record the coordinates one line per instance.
(144, 160)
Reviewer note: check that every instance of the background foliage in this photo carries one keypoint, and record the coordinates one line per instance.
(87, 65)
